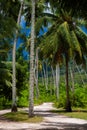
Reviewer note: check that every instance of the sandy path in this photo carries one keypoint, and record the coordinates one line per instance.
(51, 121)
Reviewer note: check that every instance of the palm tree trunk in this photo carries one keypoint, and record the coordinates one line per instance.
(36, 74)
(57, 80)
(68, 103)
(45, 81)
(46, 75)
(53, 75)
(72, 80)
(31, 90)
(14, 105)
(42, 77)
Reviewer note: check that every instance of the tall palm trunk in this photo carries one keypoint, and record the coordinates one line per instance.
(68, 103)
(72, 80)
(42, 77)
(45, 79)
(14, 105)
(57, 80)
(46, 75)
(31, 91)
(36, 73)
(53, 75)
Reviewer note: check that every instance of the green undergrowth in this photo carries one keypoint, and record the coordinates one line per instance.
(80, 115)
(78, 97)
(22, 117)
(45, 95)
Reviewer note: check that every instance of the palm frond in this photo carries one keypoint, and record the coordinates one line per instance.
(3, 51)
(42, 22)
(76, 44)
(8, 83)
(50, 15)
(49, 44)
(81, 34)
(5, 72)
(82, 37)
(65, 34)
(80, 22)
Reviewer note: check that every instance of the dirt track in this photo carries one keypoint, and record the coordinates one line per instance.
(51, 121)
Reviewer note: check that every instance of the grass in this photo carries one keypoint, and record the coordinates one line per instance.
(81, 114)
(21, 117)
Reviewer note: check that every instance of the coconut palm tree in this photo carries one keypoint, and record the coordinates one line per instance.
(14, 105)
(33, 11)
(64, 40)
(31, 93)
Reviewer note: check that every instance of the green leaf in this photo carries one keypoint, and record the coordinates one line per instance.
(65, 34)
(76, 44)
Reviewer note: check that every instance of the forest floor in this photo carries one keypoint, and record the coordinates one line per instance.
(51, 121)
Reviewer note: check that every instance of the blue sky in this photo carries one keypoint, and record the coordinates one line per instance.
(26, 30)
(84, 29)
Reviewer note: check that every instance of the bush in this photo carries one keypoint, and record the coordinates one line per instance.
(78, 98)
(23, 99)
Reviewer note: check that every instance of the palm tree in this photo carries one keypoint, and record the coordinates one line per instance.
(66, 41)
(31, 93)
(32, 13)
(14, 105)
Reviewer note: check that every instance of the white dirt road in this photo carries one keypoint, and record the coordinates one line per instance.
(51, 121)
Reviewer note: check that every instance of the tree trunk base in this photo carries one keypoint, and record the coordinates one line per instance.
(14, 108)
(68, 107)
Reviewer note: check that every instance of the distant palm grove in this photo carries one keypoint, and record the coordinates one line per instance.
(47, 66)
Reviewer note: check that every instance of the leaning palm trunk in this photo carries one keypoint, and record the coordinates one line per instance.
(14, 105)
(31, 90)
(68, 103)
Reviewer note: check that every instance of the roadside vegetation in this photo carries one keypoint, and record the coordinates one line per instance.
(21, 116)
(76, 113)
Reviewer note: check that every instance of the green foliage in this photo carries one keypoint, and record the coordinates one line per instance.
(65, 34)
(5, 81)
(65, 38)
(45, 95)
(22, 81)
(78, 97)
(76, 44)
(23, 98)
